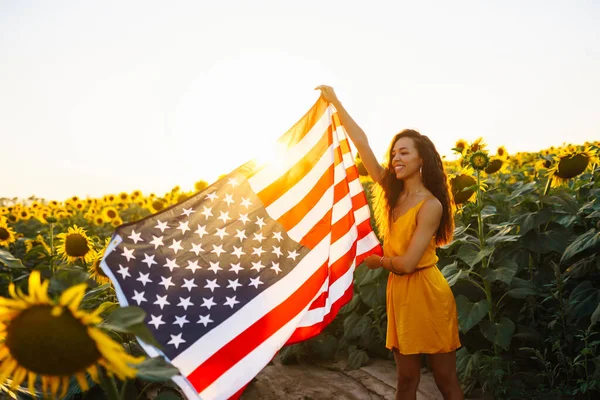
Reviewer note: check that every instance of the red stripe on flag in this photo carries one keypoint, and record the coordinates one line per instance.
(228, 355)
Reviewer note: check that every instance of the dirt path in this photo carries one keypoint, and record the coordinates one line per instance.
(376, 380)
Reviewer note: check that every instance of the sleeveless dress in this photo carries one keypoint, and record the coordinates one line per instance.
(421, 310)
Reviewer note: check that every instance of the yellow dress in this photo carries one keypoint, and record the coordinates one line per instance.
(421, 310)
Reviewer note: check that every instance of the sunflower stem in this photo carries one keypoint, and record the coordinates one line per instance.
(547, 188)
(109, 385)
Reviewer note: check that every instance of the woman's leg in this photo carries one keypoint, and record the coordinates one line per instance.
(408, 372)
(444, 372)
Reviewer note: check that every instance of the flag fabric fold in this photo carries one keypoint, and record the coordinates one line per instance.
(262, 258)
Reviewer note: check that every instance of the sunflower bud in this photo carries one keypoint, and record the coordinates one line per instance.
(51, 220)
(479, 160)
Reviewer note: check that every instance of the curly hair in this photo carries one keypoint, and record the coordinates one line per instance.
(388, 189)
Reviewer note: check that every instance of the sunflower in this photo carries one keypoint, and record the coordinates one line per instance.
(494, 166)
(157, 205)
(7, 235)
(38, 241)
(94, 269)
(110, 213)
(461, 146)
(479, 160)
(571, 163)
(99, 220)
(55, 340)
(75, 245)
(501, 153)
(200, 185)
(116, 222)
(459, 185)
(477, 145)
(136, 193)
(24, 215)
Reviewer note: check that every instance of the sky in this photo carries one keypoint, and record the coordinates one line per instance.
(111, 96)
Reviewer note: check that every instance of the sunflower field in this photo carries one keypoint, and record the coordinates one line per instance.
(524, 266)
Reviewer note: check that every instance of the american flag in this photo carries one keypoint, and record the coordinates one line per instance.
(262, 258)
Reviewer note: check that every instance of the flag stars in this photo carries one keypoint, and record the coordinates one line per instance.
(139, 297)
(231, 301)
(196, 248)
(258, 251)
(149, 260)
(260, 222)
(162, 226)
(233, 182)
(212, 196)
(221, 233)
(214, 267)
(292, 254)
(277, 251)
(237, 251)
(176, 340)
(275, 267)
(193, 265)
(144, 278)
(278, 236)
(183, 227)
(208, 303)
(181, 320)
(185, 303)
(257, 266)
(236, 268)
(124, 271)
(241, 234)
(207, 212)
(157, 241)
(244, 218)
(201, 230)
(128, 254)
(218, 250)
(211, 284)
(259, 237)
(187, 211)
(176, 246)
(255, 282)
(166, 282)
(228, 199)
(246, 202)
(135, 237)
(170, 264)
(233, 284)
(205, 319)
(161, 301)
(189, 284)
(156, 321)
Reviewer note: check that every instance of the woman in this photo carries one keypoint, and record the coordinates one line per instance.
(414, 214)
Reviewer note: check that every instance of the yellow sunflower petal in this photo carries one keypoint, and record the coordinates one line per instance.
(93, 371)
(7, 367)
(72, 297)
(31, 381)
(82, 381)
(54, 383)
(18, 377)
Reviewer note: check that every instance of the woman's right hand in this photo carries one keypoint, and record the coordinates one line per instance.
(328, 93)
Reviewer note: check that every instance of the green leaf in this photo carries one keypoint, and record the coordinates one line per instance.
(596, 314)
(168, 396)
(555, 239)
(358, 329)
(582, 267)
(584, 299)
(521, 190)
(534, 219)
(452, 273)
(356, 358)
(590, 240)
(471, 256)
(504, 272)
(470, 314)
(521, 288)
(126, 316)
(351, 305)
(10, 261)
(488, 211)
(499, 333)
(156, 369)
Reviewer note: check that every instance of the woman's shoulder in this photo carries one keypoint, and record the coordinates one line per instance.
(431, 203)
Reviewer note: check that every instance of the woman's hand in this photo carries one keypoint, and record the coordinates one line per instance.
(328, 93)
(373, 262)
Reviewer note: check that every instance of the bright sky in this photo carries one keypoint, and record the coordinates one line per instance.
(109, 96)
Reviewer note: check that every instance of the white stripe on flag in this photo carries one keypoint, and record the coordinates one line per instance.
(367, 243)
(295, 194)
(271, 173)
(255, 309)
(312, 217)
(336, 291)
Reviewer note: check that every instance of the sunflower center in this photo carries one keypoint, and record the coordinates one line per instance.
(51, 345)
(76, 245)
(111, 214)
(4, 234)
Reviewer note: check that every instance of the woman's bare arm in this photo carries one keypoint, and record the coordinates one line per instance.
(357, 135)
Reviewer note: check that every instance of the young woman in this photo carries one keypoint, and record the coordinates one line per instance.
(413, 210)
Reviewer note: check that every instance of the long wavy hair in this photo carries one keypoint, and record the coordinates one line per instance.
(387, 192)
